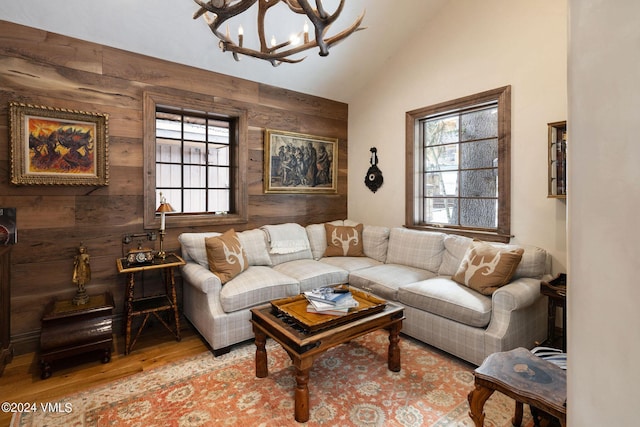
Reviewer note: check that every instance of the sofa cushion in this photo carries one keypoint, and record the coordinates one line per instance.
(486, 267)
(350, 263)
(256, 285)
(533, 263)
(193, 246)
(343, 240)
(455, 248)
(420, 249)
(448, 299)
(226, 256)
(254, 243)
(318, 238)
(287, 242)
(375, 240)
(384, 280)
(313, 274)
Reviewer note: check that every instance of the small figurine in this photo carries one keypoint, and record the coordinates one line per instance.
(81, 275)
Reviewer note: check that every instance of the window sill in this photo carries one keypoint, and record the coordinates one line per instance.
(198, 220)
(474, 234)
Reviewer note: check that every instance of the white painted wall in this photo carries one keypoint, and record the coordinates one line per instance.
(470, 47)
(604, 201)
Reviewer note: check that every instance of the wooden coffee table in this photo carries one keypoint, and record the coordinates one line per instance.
(304, 348)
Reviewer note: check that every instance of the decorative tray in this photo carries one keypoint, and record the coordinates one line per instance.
(295, 309)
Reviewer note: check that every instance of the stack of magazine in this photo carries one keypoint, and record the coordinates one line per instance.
(333, 301)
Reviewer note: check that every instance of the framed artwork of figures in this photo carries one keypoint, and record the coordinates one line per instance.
(299, 163)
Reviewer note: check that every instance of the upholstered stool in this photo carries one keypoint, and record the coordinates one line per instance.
(524, 377)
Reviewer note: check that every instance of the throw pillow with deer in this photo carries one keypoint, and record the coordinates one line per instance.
(226, 255)
(344, 240)
(485, 268)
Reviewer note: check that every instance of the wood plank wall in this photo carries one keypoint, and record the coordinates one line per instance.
(43, 68)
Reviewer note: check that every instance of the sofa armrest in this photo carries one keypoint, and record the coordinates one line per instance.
(201, 278)
(515, 296)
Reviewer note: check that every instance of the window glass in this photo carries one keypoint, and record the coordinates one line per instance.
(193, 155)
(458, 165)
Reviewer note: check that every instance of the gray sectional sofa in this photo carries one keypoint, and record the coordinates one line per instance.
(410, 267)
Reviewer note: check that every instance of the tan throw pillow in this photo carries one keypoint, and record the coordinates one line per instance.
(343, 240)
(226, 256)
(485, 267)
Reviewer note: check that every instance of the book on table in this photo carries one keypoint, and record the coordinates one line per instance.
(332, 311)
(328, 295)
(331, 305)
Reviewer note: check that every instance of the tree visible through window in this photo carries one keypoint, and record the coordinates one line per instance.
(459, 154)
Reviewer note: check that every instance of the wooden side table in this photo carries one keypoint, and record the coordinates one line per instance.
(523, 377)
(556, 290)
(69, 329)
(148, 305)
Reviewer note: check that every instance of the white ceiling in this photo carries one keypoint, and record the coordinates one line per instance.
(166, 29)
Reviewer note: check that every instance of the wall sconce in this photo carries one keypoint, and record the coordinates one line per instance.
(162, 210)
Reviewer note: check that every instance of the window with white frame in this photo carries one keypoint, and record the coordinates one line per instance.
(458, 152)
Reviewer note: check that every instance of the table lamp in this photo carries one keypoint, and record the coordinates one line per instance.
(162, 210)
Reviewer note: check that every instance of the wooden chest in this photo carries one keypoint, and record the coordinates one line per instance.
(69, 329)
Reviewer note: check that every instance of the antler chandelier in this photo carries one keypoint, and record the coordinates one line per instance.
(274, 52)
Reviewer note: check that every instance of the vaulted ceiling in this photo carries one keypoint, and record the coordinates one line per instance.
(166, 29)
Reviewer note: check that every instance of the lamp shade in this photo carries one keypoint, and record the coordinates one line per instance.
(164, 206)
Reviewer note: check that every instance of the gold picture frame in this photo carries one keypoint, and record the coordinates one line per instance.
(299, 163)
(56, 146)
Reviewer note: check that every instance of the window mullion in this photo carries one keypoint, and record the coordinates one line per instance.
(480, 122)
(183, 198)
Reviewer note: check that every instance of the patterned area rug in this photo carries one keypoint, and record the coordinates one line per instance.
(349, 385)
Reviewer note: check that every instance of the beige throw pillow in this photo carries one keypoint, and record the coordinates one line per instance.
(485, 267)
(343, 240)
(226, 256)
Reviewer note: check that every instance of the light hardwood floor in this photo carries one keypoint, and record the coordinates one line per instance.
(156, 347)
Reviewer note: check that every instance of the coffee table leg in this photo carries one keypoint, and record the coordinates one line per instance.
(302, 395)
(261, 354)
(394, 349)
(477, 398)
(517, 416)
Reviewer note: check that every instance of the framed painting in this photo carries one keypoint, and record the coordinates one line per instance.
(55, 146)
(299, 163)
